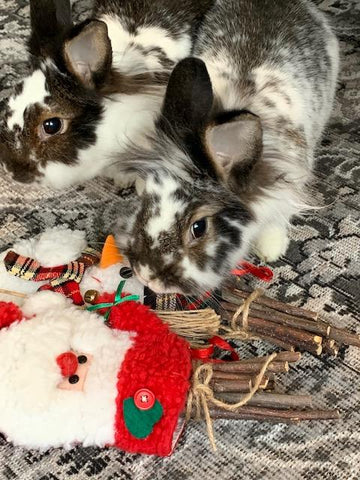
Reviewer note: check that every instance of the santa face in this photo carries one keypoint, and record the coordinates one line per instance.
(35, 411)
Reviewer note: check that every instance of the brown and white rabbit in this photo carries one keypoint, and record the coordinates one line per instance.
(233, 150)
(92, 86)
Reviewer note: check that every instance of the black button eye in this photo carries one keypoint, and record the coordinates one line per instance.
(52, 126)
(126, 272)
(198, 229)
(82, 358)
(74, 379)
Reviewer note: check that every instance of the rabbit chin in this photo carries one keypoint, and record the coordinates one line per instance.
(158, 287)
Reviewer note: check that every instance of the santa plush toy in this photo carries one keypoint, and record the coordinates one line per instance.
(68, 377)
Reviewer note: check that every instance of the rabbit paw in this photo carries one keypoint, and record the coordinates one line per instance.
(271, 243)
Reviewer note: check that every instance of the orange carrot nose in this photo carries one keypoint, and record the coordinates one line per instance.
(110, 253)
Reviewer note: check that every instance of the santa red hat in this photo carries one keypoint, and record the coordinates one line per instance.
(153, 382)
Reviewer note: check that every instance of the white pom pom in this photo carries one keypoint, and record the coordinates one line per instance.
(42, 302)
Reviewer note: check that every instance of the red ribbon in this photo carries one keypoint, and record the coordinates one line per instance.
(197, 303)
(205, 354)
(263, 273)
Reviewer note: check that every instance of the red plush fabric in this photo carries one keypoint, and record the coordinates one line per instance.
(107, 297)
(104, 298)
(68, 363)
(9, 313)
(159, 361)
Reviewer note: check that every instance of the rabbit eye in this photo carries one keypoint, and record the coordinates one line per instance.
(198, 228)
(52, 126)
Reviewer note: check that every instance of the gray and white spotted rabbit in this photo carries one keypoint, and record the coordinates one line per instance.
(233, 150)
(92, 86)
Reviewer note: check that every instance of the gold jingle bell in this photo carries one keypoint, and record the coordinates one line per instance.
(91, 296)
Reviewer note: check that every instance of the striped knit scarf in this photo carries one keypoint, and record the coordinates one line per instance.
(63, 279)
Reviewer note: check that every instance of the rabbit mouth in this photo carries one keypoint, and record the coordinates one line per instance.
(155, 285)
(142, 279)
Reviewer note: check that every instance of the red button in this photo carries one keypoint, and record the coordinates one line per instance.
(144, 399)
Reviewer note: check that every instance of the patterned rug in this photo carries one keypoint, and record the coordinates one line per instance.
(320, 271)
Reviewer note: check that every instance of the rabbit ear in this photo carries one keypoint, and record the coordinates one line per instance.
(186, 110)
(88, 54)
(189, 98)
(50, 20)
(235, 145)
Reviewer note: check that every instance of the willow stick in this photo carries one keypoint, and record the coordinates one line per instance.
(242, 385)
(313, 348)
(277, 305)
(278, 343)
(284, 337)
(227, 375)
(286, 356)
(274, 415)
(318, 327)
(13, 294)
(246, 368)
(290, 335)
(343, 336)
(250, 335)
(270, 400)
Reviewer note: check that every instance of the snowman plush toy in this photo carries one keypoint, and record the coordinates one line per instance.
(69, 376)
(60, 259)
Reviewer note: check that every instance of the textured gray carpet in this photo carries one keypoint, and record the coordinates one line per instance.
(320, 271)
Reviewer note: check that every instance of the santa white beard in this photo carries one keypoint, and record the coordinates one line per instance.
(34, 412)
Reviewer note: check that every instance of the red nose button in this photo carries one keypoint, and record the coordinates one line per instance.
(68, 363)
(144, 399)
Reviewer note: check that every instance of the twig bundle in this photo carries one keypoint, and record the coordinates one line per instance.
(243, 390)
(192, 324)
(283, 325)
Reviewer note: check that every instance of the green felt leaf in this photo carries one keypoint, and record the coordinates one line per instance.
(140, 423)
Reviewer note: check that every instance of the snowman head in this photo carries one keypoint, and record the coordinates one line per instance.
(111, 270)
